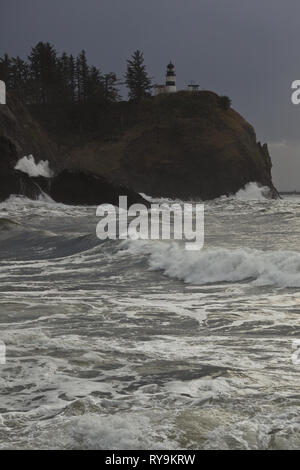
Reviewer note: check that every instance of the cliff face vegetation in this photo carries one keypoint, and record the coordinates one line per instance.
(185, 145)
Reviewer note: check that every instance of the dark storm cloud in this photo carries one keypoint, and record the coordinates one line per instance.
(247, 50)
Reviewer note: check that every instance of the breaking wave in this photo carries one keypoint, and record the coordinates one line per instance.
(250, 192)
(278, 268)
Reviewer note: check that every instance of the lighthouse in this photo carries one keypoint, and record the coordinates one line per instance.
(170, 86)
(170, 79)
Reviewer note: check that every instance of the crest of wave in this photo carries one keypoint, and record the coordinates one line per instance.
(278, 268)
(29, 166)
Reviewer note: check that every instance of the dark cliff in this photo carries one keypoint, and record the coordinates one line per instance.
(185, 145)
(195, 149)
(21, 135)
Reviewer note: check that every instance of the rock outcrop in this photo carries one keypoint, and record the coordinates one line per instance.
(18, 183)
(181, 145)
(196, 149)
(20, 135)
(83, 187)
(68, 187)
(72, 187)
(13, 181)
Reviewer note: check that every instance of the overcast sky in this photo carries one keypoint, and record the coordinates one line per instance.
(248, 50)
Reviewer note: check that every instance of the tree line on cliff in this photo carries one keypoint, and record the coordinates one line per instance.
(47, 78)
(78, 103)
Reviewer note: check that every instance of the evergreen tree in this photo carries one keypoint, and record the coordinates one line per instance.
(94, 86)
(72, 78)
(111, 92)
(82, 75)
(63, 78)
(136, 78)
(48, 79)
(5, 70)
(19, 78)
(44, 71)
(66, 78)
(225, 102)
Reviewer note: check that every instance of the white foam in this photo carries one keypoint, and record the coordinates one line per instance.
(123, 431)
(43, 197)
(159, 200)
(252, 191)
(29, 166)
(279, 268)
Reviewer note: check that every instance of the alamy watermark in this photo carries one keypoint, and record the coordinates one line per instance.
(295, 97)
(2, 92)
(159, 222)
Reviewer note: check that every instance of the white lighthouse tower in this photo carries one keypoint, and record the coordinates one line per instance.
(170, 79)
(170, 86)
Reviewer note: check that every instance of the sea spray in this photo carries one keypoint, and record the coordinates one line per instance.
(252, 191)
(33, 169)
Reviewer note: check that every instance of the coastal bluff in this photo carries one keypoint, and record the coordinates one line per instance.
(188, 145)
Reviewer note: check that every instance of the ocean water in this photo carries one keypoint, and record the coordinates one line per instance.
(144, 345)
